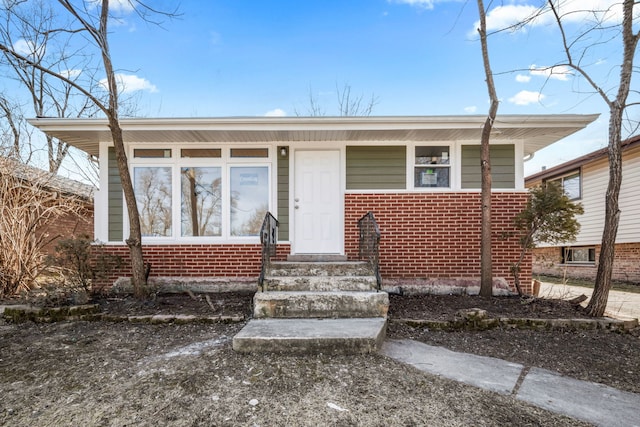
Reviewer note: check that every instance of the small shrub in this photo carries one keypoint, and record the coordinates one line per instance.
(81, 261)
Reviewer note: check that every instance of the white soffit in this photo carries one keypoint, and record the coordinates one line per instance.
(537, 131)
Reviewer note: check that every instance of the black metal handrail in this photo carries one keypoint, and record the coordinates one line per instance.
(369, 243)
(268, 240)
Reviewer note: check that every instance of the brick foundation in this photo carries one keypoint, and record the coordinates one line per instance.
(626, 266)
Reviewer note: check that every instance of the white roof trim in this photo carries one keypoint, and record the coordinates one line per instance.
(537, 131)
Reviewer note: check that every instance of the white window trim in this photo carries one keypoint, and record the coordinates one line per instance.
(453, 166)
(225, 162)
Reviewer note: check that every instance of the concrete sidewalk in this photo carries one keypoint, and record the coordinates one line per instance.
(591, 402)
(621, 305)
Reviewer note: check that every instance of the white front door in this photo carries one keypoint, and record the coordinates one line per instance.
(317, 203)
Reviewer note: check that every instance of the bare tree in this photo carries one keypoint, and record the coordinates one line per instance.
(617, 107)
(90, 22)
(29, 209)
(30, 33)
(486, 263)
(349, 105)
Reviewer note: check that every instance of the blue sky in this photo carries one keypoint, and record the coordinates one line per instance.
(417, 57)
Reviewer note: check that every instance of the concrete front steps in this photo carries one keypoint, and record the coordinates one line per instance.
(313, 306)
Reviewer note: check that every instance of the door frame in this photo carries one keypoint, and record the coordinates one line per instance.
(340, 189)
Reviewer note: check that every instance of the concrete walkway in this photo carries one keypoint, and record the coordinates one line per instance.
(591, 402)
(621, 305)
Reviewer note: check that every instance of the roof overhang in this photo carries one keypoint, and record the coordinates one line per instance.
(536, 131)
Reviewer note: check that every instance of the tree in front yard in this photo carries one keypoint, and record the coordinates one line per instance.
(549, 217)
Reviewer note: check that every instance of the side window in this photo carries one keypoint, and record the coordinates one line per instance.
(571, 183)
(432, 167)
(578, 255)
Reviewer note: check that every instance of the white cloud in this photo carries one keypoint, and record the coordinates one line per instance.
(122, 6)
(70, 74)
(277, 112)
(571, 11)
(128, 83)
(471, 109)
(526, 97)
(557, 72)
(521, 78)
(28, 48)
(425, 4)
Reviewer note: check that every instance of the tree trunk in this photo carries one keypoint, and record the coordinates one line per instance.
(486, 263)
(600, 296)
(138, 271)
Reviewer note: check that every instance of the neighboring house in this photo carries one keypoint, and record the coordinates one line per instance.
(69, 225)
(585, 180)
(203, 186)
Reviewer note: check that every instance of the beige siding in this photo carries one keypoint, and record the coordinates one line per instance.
(376, 167)
(115, 199)
(503, 167)
(595, 178)
(283, 196)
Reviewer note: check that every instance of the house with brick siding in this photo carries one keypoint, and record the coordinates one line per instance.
(203, 186)
(585, 180)
(67, 226)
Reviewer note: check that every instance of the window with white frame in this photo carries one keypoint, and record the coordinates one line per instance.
(432, 167)
(201, 192)
(571, 183)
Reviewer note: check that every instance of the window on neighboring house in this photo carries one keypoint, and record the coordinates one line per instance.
(571, 183)
(432, 167)
(578, 255)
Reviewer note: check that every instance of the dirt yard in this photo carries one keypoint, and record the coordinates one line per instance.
(136, 374)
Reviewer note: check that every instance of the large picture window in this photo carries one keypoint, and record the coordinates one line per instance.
(201, 192)
(153, 195)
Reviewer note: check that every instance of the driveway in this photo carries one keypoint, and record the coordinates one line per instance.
(622, 305)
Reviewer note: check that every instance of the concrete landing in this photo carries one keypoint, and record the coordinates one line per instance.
(306, 336)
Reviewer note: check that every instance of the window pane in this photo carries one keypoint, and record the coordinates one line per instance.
(201, 152)
(249, 199)
(571, 186)
(201, 203)
(249, 152)
(152, 187)
(431, 177)
(152, 153)
(432, 155)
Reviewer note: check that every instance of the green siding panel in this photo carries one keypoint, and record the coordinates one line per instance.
(115, 202)
(503, 170)
(283, 196)
(376, 167)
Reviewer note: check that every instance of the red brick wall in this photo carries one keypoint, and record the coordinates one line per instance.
(626, 266)
(197, 260)
(437, 235)
(424, 235)
(69, 226)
